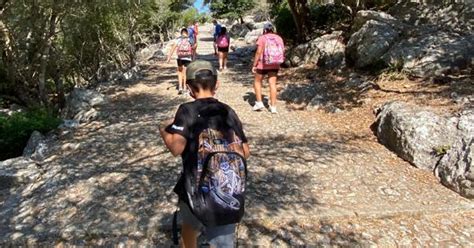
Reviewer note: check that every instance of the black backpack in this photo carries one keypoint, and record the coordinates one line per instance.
(216, 186)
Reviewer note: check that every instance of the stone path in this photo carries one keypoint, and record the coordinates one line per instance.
(110, 182)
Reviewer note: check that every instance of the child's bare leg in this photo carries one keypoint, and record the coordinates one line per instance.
(221, 60)
(183, 83)
(257, 86)
(272, 80)
(188, 236)
(180, 77)
(224, 62)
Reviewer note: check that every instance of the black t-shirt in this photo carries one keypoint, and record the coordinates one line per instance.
(191, 119)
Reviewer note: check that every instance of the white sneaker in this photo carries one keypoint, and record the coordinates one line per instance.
(273, 110)
(258, 106)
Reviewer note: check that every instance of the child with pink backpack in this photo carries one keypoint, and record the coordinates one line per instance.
(270, 54)
(223, 43)
(184, 51)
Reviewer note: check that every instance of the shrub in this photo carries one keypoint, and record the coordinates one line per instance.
(284, 22)
(328, 15)
(15, 130)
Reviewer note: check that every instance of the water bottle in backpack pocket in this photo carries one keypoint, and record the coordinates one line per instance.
(274, 50)
(216, 188)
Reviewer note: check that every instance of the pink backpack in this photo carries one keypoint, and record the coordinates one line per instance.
(274, 51)
(184, 48)
(222, 41)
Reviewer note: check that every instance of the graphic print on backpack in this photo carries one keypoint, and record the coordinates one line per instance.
(274, 51)
(219, 183)
(184, 48)
(222, 41)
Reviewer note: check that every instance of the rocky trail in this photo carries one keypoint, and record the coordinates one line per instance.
(109, 182)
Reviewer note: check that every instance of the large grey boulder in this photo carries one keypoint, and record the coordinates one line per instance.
(36, 147)
(239, 30)
(256, 25)
(432, 53)
(455, 17)
(370, 42)
(456, 168)
(364, 16)
(133, 73)
(430, 141)
(17, 171)
(246, 51)
(153, 51)
(331, 48)
(326, 50)
(415, 134)
(252, 36)
(81, 103)
(302, 54)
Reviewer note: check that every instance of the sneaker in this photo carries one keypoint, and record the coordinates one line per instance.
(273, 110)
(180, 92)
(258, 106)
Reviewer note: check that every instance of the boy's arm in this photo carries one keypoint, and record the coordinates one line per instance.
(174, 142)
(246, 149)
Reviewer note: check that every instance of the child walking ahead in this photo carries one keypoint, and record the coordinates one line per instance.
(223, 43)
(209, 137)
(184, 50)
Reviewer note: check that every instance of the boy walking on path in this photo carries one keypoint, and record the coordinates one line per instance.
(209, 137)
(270, 54)
(184, 51)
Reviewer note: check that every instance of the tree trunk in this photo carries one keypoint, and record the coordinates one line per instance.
(299, 10)
(60, 91)
(131, 33)
(5, 46)
(7, 57)
(45, 58)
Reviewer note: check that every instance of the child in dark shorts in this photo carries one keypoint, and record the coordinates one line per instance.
(178, 136)
(183, 60)
(261, 70)
(223, 44)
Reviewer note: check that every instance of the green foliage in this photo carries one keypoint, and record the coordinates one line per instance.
(324, 16)
(441, 150)
(312, 15)
(46, 43)
(232, 9)
(283, 21)
(15, 130)
(189, 16)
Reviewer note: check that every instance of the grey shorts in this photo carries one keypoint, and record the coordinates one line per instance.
(218, 236)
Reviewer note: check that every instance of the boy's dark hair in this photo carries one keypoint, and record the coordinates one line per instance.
(204, 79)
(223, 31)
(185, 30)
